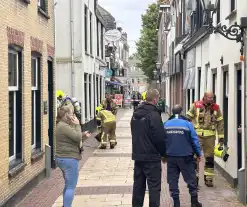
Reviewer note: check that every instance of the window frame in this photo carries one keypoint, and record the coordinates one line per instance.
(14, 90)
(34, 90)
(86, 27)
(91, 31)
(232, 5)
(42, 4)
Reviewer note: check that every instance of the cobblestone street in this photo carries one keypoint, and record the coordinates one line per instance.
(106, 179)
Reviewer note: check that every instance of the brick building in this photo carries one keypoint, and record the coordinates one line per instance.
(27, 93)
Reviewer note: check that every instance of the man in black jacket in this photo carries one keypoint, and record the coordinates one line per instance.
(148, 148)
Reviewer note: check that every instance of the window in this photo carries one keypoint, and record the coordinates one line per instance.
(206, 78)
(36, 103)
(85, 96)
(97, 90)
(97, 37)
(199, 83)
(90, 95)
(102, 42)
(100, 91)
(94, 92)
(218, 12)
(15, 106)
(233, 5)
(91, 34)
(42, 5)
(85, 28)
(214, 83)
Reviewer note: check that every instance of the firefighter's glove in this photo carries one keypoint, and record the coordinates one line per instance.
(221, 142)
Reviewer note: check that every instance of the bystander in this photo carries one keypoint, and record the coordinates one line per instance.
(148, 148)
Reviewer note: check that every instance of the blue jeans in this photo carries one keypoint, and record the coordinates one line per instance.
(70, 169)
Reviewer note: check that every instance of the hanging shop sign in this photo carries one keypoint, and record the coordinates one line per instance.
(108, 72)
(112, 35)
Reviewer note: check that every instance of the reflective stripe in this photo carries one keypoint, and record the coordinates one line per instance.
(220, 136)
(220, 118)
(98, 119)
(112, 141)
(190, 114)
(184, 128)
(205, 133)
(109, 120)
(197, 118)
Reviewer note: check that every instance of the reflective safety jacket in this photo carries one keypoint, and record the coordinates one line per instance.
(207, 119)
(112, 107)
(105, 116)
(144, 94)
(98, 108)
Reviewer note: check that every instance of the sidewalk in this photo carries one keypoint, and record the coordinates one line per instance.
(106, 179)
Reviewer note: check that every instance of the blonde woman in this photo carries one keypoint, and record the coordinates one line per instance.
(68, 150)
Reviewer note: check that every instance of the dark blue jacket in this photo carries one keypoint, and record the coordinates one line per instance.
(181, 138)
(148, 143)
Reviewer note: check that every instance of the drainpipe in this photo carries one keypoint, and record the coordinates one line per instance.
(72, 47)
(242, 174)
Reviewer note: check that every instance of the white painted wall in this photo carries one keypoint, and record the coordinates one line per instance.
(83, 63)
(211, 50)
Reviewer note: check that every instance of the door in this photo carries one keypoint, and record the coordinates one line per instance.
(50, 110)
(239, 112)
(225, 104)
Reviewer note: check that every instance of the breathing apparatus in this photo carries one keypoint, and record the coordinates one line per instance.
(221, 151)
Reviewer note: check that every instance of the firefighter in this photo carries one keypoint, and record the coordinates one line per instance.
(109, 104)
(107, 120)
(144, 96)
(208, 119)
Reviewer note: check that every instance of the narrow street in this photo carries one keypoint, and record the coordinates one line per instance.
(106, 179)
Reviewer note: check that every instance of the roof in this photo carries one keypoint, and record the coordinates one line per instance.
(105, 16)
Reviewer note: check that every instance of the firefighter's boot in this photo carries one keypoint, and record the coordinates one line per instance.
(113, 145)
(195, 202)
(208, 181)
(102, 146)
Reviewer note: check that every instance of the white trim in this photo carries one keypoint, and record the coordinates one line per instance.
(17, 69)
(34, 120)
(13, 157)
(36, 73)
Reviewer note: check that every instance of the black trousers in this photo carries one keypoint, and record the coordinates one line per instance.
(186, 166)
(149, 172)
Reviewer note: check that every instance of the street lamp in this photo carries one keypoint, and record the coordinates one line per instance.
(234, 32)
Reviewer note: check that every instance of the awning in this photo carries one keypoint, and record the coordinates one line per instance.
(186, 80)
(191, 84)
(113, 83)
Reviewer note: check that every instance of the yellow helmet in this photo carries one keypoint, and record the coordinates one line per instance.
(60, 93)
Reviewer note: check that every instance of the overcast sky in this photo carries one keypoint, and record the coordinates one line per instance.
(128, 15)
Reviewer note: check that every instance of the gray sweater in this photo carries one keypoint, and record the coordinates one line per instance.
(68, 139)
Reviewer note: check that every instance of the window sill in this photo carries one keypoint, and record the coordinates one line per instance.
(232, 15)
(37, 154)
(26, 1)
(16, 168)
(43, 13)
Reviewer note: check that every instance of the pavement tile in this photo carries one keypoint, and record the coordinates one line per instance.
(106, 179)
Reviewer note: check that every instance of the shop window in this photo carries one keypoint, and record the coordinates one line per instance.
(15, 106)
(36, 103)
(85, 95)
(90, 94)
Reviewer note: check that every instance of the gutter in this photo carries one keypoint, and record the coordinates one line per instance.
(72, 47)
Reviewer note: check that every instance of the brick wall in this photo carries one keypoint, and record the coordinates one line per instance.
(21, 24)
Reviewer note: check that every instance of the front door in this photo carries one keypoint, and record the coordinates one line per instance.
(239, 112)
(50, 110)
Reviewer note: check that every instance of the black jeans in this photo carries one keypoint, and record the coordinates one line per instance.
(186, 166)
(150, 172)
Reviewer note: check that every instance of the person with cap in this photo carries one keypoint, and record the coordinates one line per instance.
(181, 145)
